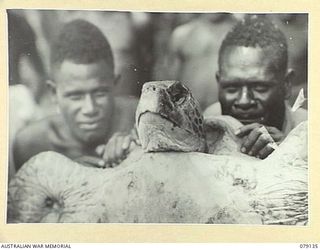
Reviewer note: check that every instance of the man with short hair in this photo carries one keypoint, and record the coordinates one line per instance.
(83, 80)
(254, 84)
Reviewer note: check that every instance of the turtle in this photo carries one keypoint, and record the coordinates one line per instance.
(207, 181)
(169, 118)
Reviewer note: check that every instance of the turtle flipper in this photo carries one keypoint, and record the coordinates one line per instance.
(294, 147)
(52, 188)
(220, 137)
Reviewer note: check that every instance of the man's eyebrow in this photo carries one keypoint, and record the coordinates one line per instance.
(104, 87)
(231, 83)
(270, 83)
(73, 92)
(101, 88)
(247, 82)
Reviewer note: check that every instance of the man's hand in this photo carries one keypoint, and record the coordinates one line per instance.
(111, 154)
(117, 148)
(91, 161)
(259, 140)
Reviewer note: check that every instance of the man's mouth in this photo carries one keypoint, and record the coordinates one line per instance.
(249, 118)
(90, 125)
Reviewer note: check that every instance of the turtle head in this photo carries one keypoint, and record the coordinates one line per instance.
(169, 118)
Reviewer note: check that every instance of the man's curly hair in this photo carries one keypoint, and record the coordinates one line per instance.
(258, 31)
(81, 42)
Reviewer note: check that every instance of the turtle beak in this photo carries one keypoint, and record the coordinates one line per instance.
(154, 100)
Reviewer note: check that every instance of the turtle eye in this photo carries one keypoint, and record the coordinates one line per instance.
(179, 99)
(178, 93)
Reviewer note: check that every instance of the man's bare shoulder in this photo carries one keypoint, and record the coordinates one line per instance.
(37, 128)
(33, 139)
(194, 38)
(300, 115)
(184, 30)
(181, 34)
(212, 110)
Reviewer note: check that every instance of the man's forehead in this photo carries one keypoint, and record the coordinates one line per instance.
(84, 86)
(247, 63)
(69, 68)
(241, 56)
(70, 71)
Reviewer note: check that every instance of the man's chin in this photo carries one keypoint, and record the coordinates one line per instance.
(246, 117)
(91, 137)
(246, 121)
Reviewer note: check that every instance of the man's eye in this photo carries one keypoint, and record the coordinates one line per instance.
(75, 97)
(231, 90)
(101, 93)
(261, 88)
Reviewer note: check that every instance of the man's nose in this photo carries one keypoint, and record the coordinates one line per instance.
(89, 106)
(245, 99)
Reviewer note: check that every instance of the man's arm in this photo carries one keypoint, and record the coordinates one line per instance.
(119, 146)
(113, 152)
(175, 56)
(30, 141)
(21, 152)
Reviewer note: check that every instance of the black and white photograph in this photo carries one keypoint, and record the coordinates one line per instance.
(157, 117)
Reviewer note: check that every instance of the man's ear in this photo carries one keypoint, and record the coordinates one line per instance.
(117, 79)
(218, 76)
(53, 89)
(288, 83)
(52, 86)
